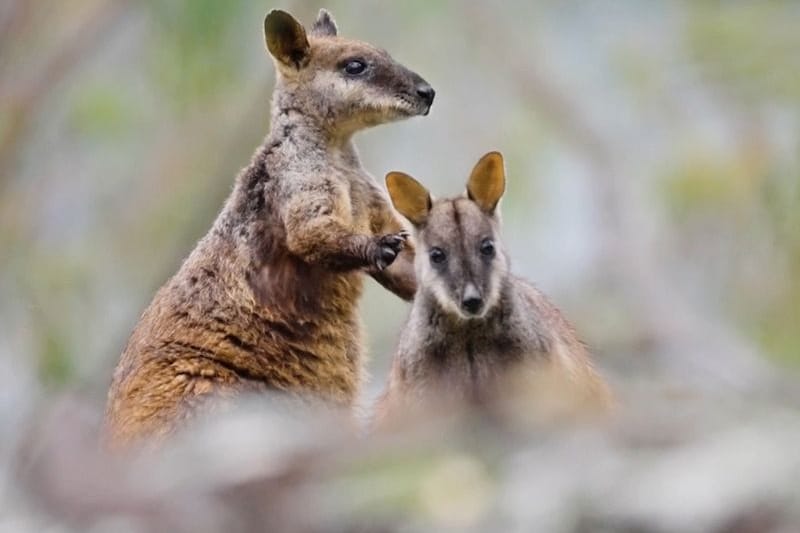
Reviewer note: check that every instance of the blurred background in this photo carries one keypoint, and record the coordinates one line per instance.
(652, 151)
(653, 155)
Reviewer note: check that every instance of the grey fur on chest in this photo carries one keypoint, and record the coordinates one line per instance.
(437, 343)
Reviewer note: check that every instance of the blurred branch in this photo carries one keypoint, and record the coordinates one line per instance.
(690, 342)
(23, 100)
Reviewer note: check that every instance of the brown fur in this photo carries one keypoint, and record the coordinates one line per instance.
(267, 301)
(476, 332)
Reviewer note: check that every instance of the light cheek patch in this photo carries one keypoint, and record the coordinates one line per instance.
(493, 295)
(385, 102)
(446, 302)
(335, 88)
(499, 272)
(429, 279)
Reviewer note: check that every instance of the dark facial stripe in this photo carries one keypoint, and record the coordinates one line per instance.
(465, 265)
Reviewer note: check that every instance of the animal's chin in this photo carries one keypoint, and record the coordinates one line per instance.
(406, 108)
(387, 115)
(401, 109)
(422, 109)
(461, 316)
(400, 113)
(473, 316)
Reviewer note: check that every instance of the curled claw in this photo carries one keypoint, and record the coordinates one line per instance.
(388, 247)
(386, 258)
(395, 241)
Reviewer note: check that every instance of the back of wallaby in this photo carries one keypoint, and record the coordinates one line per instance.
(476, 332)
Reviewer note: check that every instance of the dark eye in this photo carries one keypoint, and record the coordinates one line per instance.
(354, 67)
(487, 248)
(437, 255)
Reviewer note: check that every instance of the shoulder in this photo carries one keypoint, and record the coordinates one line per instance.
(545, 316)
(530, 297)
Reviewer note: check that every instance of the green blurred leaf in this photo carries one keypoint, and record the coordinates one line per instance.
(701, 183)
(101, 111)
(752, 48)
(193, 42)
(55, 362)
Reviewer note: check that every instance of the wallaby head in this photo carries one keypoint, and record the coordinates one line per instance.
(346, 84)
(460, 260)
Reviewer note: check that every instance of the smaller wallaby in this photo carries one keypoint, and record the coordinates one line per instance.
(476, 331)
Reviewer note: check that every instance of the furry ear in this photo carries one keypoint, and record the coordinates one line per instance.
(409, 197)
(286, 39)
(487, 183)
(324, 26)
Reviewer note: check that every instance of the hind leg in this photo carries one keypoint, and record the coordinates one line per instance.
(163, 396)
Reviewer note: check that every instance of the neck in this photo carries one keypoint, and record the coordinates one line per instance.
(294, 131)
(298, 138)
(307, 123)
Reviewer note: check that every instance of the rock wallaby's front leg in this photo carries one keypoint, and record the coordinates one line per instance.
(400, 277)
(317, 231)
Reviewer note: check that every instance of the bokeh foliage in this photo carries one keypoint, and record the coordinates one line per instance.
(119, 154)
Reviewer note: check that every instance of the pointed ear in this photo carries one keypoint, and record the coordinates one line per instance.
(409, 197)
(324, 26)
(487, 183)
(286, 39)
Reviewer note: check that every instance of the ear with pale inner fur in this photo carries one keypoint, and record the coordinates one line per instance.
(324, 26)
(409, 197)
(286, 39)
(487, 183)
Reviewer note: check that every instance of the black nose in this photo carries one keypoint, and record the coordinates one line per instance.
(472, 304)
(427, 93)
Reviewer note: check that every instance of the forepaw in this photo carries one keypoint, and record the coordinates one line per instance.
(388, 246)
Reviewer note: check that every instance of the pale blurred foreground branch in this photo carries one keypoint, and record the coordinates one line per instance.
(678, 464)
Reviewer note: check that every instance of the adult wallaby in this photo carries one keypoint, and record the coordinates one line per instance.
(267, 301)
(475, 330)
